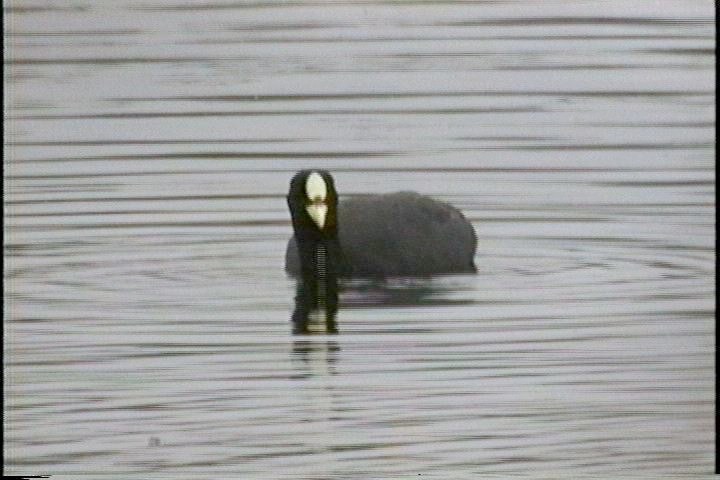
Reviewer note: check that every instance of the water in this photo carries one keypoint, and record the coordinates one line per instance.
(149, 146)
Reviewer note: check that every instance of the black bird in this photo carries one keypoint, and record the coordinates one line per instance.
(397, 234)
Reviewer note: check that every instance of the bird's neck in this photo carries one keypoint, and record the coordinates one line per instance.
(321, 273)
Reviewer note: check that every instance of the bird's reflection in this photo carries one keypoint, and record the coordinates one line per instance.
(315, 358)
(316, 305)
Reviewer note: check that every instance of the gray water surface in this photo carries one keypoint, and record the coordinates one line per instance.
(149, 146)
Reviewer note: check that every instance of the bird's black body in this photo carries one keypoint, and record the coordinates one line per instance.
(399, 234)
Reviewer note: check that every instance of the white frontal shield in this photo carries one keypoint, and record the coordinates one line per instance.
(316, 191)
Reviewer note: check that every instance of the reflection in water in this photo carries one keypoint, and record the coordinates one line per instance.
(316, 358)
(316, 302)
(316, 306)
(404, 291)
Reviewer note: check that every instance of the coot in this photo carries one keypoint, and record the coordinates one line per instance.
(396, 234)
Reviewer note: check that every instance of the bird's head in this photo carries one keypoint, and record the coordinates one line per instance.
(312, 200)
